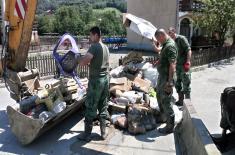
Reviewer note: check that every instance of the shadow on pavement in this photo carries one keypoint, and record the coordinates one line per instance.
(177, 145)
(149, 136)
(3, 120)
(118, 140)
(78, 147)
(6, 136)
(221, 64)
(45, 144)
(201, 128)
(224, 144)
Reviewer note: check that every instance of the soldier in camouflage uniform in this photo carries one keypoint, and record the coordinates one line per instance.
(98, 86)
(166, 68)
(182, 67)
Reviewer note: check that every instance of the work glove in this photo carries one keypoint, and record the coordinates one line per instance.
(168, 88)
(187, 66)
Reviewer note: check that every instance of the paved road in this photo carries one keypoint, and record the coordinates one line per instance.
(207, 86)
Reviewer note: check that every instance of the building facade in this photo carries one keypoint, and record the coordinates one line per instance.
(1, 19)
(161, 13)
(186, 27)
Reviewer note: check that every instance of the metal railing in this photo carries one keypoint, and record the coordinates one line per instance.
(47, 66)
(47, 43)
(207, 56)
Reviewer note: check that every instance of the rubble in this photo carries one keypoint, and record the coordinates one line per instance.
(140, 119)
(119, 120)
(121, 84)
(133, 57)
(133, 103)
(52, 99)
(113, 107)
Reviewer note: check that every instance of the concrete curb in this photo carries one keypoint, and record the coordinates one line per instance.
(192, 134)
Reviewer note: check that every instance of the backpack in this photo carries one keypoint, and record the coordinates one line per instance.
(227, 100)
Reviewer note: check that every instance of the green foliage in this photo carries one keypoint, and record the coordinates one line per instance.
(110, 21)
(45, 24)
(217, 16)
(68, 20)
(78, 20)
(100, 11)
(86, 12)
(44, 5)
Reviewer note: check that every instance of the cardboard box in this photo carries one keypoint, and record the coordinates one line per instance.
(121, 84)
(144, 85)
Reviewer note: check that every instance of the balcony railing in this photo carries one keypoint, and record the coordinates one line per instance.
(190, 5)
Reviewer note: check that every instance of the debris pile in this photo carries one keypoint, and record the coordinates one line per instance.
(133, 100)
(48, 101)
(133, 104)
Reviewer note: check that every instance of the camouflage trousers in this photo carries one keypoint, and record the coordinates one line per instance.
(97, 98)
(165, 100)
(183, 80)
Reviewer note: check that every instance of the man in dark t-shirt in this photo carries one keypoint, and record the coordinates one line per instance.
(98, 87)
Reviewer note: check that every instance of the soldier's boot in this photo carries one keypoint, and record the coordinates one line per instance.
(170, 125)
(180, 102)
(161, 119)
(187, 96)
(103, 129)
(86, 135)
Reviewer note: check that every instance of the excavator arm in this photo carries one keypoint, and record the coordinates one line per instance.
(20, 15)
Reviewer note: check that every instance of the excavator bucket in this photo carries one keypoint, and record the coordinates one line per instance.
(27, 129)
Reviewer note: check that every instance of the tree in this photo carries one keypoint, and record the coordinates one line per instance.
(78, 19)
(86, 12)
(46, 24)
(216, 16)
(110, 23)
(44, 5)
(67, 20)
